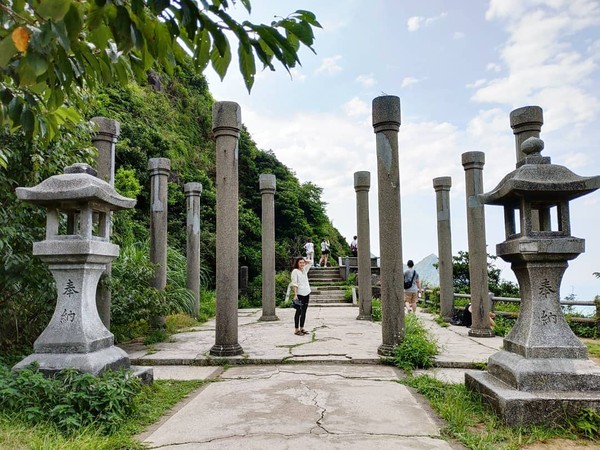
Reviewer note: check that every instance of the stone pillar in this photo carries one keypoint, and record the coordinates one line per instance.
(243, 280)
(104, 140)
(267, 183)
(159, 173)
(362, 183)
(227, 122)
(386, 124)
(193, 191)
(525, 122)
(442, 187)
(473, 164)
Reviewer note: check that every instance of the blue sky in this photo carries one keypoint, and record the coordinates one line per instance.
(459, 68)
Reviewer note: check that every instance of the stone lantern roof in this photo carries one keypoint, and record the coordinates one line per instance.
(538, 180)
(77, 185)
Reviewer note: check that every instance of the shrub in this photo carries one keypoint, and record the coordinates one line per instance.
(208, 305)
(376, 309)
(418, 349)
(587, 423)
(348, 293)
(282, 280)
(71, 399)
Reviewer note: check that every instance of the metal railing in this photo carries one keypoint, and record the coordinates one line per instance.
(494, 300)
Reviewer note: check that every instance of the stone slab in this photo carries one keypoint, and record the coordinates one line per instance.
(294, 406)
(452, 376)
(186, 372)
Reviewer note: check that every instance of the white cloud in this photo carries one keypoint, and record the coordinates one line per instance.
(330, 65)
(542, 60)
(493, 67)
(297, 75)
(477, 83)
(416, 22)
(356, 107)
(458, 35)
(367, 80)
(408, 81)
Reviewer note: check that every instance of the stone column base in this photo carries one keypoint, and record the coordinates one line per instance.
(385, 350)
(272, 318)
(96, 363)
(481, 333)
(226, 350)
(519, 408)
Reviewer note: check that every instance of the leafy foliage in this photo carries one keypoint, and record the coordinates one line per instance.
(462, 279)
(70, 400)
(55, 52)
(418, 348)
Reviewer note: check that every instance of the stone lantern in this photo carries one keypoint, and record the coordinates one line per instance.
(543, 374)
(77, 250)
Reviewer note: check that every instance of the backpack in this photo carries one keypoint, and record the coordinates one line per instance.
(408, 284)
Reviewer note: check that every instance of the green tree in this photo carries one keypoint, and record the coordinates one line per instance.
(462, 279)
(53, 52)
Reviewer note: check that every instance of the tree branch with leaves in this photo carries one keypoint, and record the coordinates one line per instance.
(54, 52)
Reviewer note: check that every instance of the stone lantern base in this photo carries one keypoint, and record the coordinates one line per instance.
(111, 358)
(530, 391)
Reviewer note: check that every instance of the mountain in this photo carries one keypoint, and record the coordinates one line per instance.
(428, 273)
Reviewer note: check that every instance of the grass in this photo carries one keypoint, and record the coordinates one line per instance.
(593, 349)
(418, 348)
(151, 404)
(477, 427)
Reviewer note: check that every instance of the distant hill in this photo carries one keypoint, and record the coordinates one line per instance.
(428, 274)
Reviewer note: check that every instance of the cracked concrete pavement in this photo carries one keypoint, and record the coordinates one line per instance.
(325, 390)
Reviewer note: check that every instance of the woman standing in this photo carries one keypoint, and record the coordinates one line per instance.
(324, 253)
(301, 292)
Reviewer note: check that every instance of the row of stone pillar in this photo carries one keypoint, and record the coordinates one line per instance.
(525, 122)
(104, 140)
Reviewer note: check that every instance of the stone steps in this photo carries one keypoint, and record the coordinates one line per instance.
(328, 288)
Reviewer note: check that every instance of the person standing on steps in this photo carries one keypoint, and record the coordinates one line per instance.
(412, 286)
(324, 253)
(354, 246)
(309, 248)
(301, 292)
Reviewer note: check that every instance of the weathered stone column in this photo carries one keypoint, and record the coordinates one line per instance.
(386, 123)
(159, 173)
(193, 191)
(362, 183)
(525, 122)
(227, 122)
(473, 164)
(266, 185)
(104, 140)
(442, 187)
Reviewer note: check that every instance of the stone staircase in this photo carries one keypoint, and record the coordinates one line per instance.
(327, 287)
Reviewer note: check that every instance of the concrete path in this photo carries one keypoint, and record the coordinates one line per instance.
(326, 390)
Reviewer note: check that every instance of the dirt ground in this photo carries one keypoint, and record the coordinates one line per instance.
(563, 444)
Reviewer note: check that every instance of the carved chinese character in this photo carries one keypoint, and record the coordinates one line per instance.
(546, 288)
(70, 288)
(67, 316)
(548, 317)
